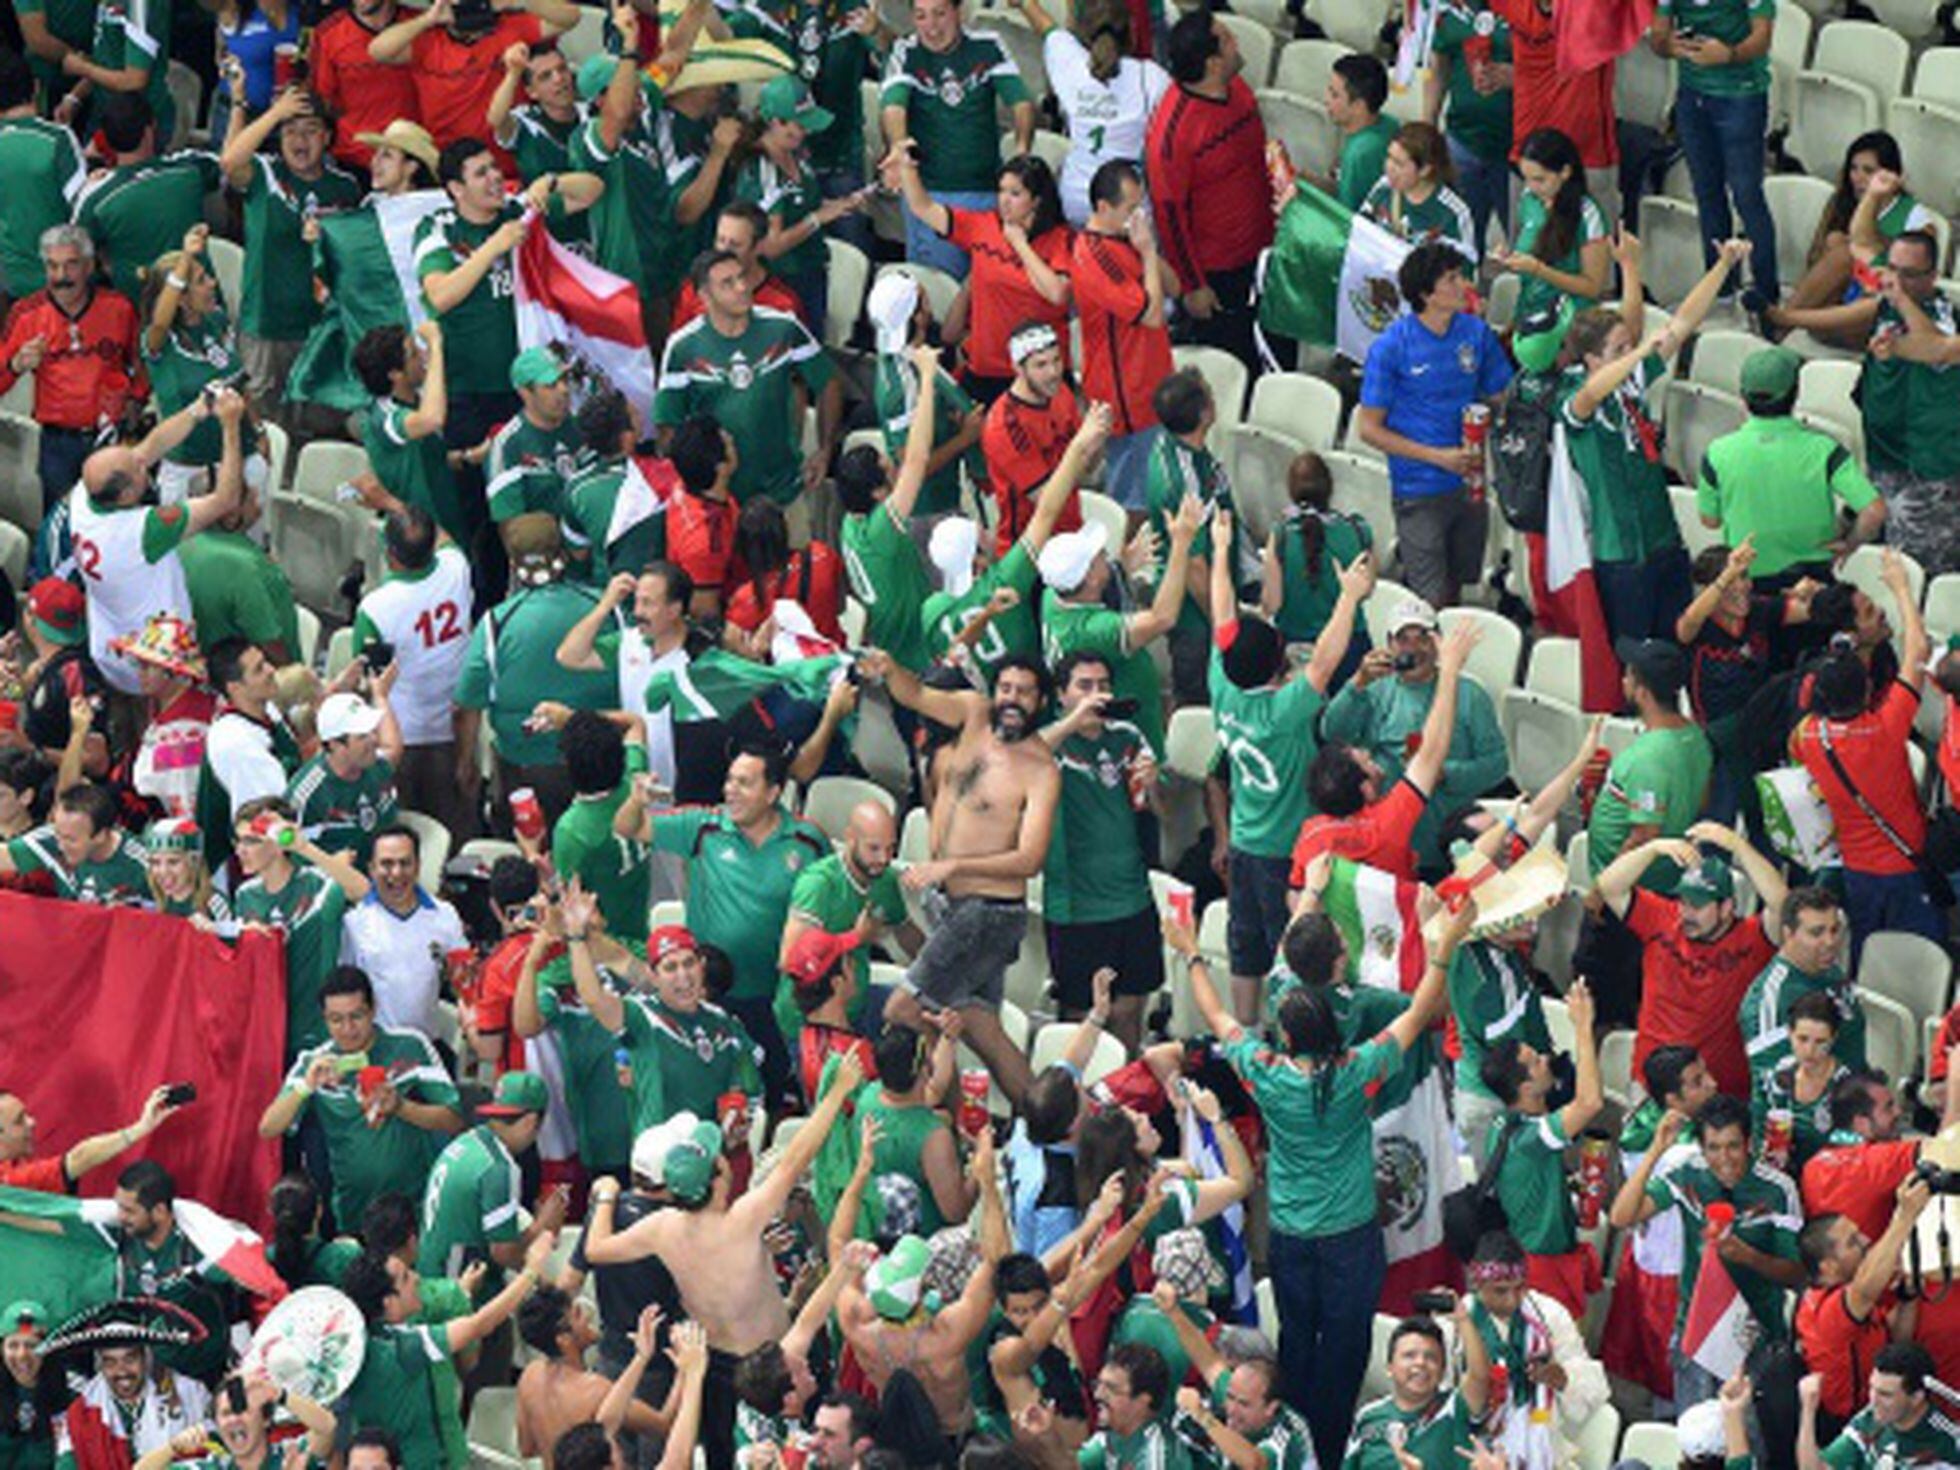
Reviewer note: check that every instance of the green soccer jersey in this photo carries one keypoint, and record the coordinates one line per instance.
(888, 577)
(686, 1061)
(1660, 781)
(1492, 999)
(602, 1110)
(950, 99)
(512, 665)
(134, 35)
(1268, 736)
(390, 1155)
(788, 200)
(1538, 296)
(342, 814)
(123, 877)
(1780, 481)
(1442, 216)
(543, 145)
(1096, 870)
(138, 211)
(470, 1204)
(71, 22)
(181, 1274)
(1070, 626)
(415, 471)
(1480, 121)
(397, 1390)
(1437, 1434)
(1772, 995)
(634, 231)
(278, 285)
(1531, 1185)
(894, 396)
(479, 333)
(831, 895)
(1774, 1089)
(1727, 21)
(610, 514)
(1767, 1216)
(308, 911)
(746, 383)
(1362, 155)
(1912, 409)
(237, 591)
(832, 57)
(903, 1132)
(615, 870)
(193, 354)
(1309, 589)
(1616, 450)
(1175, 470)
(738, 890)
(528, 467)
(1284, 1444)
(1153, 1447)
(1866, 1444)
(44, 172)
(946, 615)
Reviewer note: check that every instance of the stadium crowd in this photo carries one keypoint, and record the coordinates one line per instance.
(1067, 734)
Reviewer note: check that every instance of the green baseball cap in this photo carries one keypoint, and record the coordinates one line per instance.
(689, 1168)
(897, 1282)
(595, 74)
(24, 1313)
(536, 367)
(786, 99)
(1711, 880)
(1770, 373)
(517, 1093)
(1539, 336)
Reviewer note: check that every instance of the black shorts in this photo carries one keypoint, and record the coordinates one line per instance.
(1133, 947)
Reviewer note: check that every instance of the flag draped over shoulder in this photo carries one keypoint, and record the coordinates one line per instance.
(367, 258)
(1571, 607)
(585, 311)
(1415, 1155)
(716, 685)
(1329, 277)
(1591, 33)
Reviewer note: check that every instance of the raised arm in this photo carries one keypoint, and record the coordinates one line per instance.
(1632, 1206)
(899, 171)
(1330, 649)
(1426, 769)
(1183, 941)
(578, 650)
(1056, 489)
(1628, 254)
(1427, 1003)
(765, 1200)
(1764, 876)
(1215, 1196)
(915, 464)
(1619, 878)
(102, 1147)
(690, 1355)
(446, 290)
(943, 706)
(486, 1319)
(580, 909)
(243, 140)
(1913, 644)
(1143, 628)
(1688, 626)
(392, 46)
(1588, 1094)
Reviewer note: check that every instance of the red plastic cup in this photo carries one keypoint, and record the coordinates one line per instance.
(974, 1083)
(285, 65)
(732, 1112)
(526, 814)
(1179, 898)
(1779, 1128)
(9, 716)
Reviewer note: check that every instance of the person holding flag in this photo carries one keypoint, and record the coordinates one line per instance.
(1739, 1244)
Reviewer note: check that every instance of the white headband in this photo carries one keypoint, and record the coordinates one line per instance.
(1025, 343)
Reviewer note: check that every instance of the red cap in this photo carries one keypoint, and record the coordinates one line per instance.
(59, 607)
(668, 939)
(815, 953)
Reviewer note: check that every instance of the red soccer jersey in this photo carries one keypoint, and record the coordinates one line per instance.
(771, 293)
(1857, 1180)
(701, 538)
(1002, 294)
(821, 592)
(1949, 753)
(365, 95)
(1023, 442)
(1206, 163)
(496, 991)
(455, 80)
(91, 366)
(817, 1044)
(1691, 993)
(1123, 360)
(1377, 835)
(1872, 749)
(47, 1175)
(1839, 1346)
(1578, 104)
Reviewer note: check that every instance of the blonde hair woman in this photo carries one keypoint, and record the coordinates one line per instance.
(180, 879)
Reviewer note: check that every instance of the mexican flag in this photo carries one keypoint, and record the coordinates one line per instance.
(590, 316)
(1571, 607)
(366, 257)
(1796, 818)
(717, 685)
(1415, 1153)
(1329, 276)
(1716, 1333)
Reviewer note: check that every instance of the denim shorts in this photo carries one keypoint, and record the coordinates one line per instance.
(965, 958)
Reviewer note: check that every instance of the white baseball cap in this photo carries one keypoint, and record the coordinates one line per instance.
(894, 300)
(650, 1148)
(342, 715)
(951, 549)
(1413, 612)
(1066, 559)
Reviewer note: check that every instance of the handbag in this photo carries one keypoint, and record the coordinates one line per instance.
(1938, 890)
(1473, 1211)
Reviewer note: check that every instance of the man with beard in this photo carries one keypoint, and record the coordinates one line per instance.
(992, 822)
(128, 1409)
(243, 1420)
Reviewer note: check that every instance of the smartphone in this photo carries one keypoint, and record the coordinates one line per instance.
(1433, 1301)
(1404, 662)
(179, 1093)
(1119, 709)
(351, 1062)
(235, 1395)
(378, 655)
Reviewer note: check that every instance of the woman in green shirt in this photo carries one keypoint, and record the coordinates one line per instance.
(1562, 245)
(1414, 199)
(780, 178)
(1304, 556)
(188, 344)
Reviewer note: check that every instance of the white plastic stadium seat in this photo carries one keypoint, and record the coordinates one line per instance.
(1913, 19)
(1052, 1041)
(1937, 78)
(1719, 356)
(1355, 23)
(850, 278)
(1190, 743)
(1929, 142)
(1361, 488)
(1829, 390)
(1383, 604)
(1108, 514)
(1864, 51)
(228, 265)
(587, 38)
(1304, 67)
(20, 475)
(14, 546)
(1255, 46)
(1796, 204)
(831, 799)
(1696, 417)
(1554, 670)
(433, 839)
(939, 288)
(1687, 515)
(493, 1428)
(1826, 113)
(1256, 460)
(1303, 126)
(1494, 661)
(1907, 968)
(1789, 53)
(1656, 1446)
(1299, 406)
(1671, 261)
(1943, 606)
(1891, 1034)
(1541, 734)
(1224, 374)
(1593, 1447)
(1863, 570)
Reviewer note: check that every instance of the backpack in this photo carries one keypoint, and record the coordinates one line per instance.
(1521, 458)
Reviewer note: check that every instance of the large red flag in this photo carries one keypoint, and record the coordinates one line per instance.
(104, 1005)
(1593, 32)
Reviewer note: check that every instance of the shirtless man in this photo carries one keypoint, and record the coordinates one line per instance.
(557, 1390)
(990, 829)
(715, 1247)
(884, 1318)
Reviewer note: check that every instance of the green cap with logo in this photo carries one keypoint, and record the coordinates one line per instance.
(896, 1284)
(595, 74)
(1770, 373)
(689, 1168)
(24, 1313)
(1711, 880)
(1539, 336)
(786, 99)
(517, 1093)
(536, 367)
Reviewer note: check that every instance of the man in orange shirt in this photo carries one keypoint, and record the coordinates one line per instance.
(1028, 430)
(60, 1173)
(455, 51)
(365, 95)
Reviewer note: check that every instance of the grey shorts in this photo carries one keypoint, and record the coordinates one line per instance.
(1440, 540)
(965, 959)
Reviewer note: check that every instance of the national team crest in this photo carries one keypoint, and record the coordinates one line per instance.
(1376, 301)
(1466, 357)
(952, 91)
(1401, 1182)
(740, 374)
